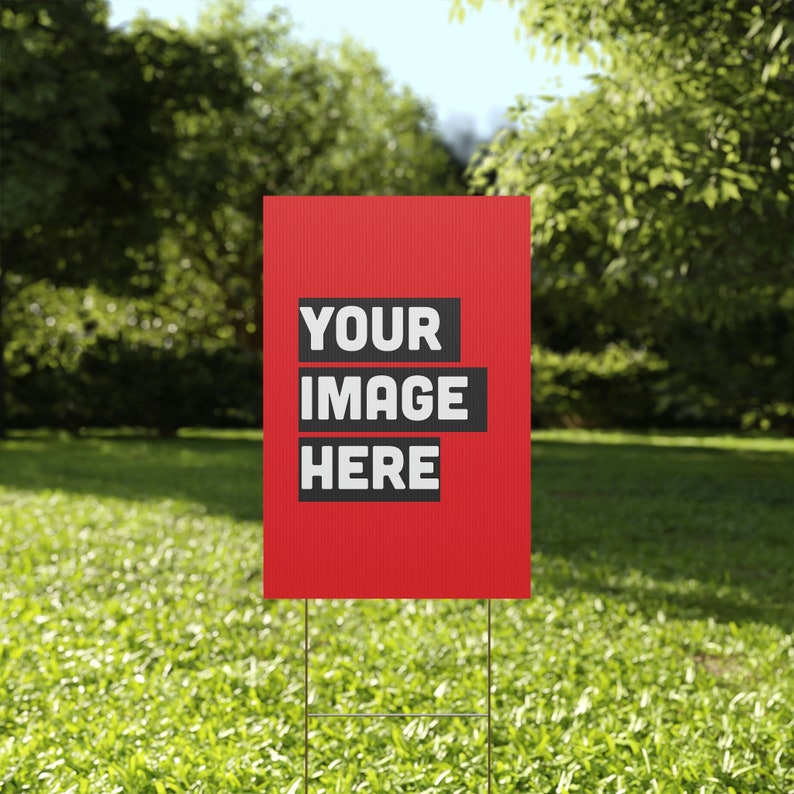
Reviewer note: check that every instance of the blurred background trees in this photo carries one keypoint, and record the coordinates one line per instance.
(134, 165)
(88, 133)
(134, 162)
(663, 234)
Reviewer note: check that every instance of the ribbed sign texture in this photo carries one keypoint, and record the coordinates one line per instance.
(396, 397)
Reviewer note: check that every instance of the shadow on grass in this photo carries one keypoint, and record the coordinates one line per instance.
(221, 472)
(688, 531)
(692, 532)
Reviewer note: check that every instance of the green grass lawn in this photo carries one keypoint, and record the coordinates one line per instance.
(137, 655)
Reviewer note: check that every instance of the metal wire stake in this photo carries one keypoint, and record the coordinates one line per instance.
(489, 696)
(307, 714)
(306, 695)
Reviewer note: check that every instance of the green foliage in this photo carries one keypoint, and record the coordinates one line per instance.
(662, 212)
(613, 387)
(88, 128)
(82, 358)
(317, 120)
(134, 165)
(137, 654)
(142, 385)
(88, 122)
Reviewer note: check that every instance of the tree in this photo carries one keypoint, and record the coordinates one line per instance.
(317, 120)
(662, 198)
(151, 197)
(87, 126)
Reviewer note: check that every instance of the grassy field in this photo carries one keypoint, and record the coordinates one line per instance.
(136, 654)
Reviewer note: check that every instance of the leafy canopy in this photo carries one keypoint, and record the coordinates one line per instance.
(316, 120)
(88, 122)
(662, 197)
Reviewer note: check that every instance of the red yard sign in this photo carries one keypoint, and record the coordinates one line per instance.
(396, 397)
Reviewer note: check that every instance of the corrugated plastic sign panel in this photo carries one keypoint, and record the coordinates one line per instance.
(396, 397)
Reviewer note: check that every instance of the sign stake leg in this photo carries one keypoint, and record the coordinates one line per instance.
(489, 696)
(306, 695)
(307, 714)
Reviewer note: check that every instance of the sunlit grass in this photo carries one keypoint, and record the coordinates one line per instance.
(136, 653)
